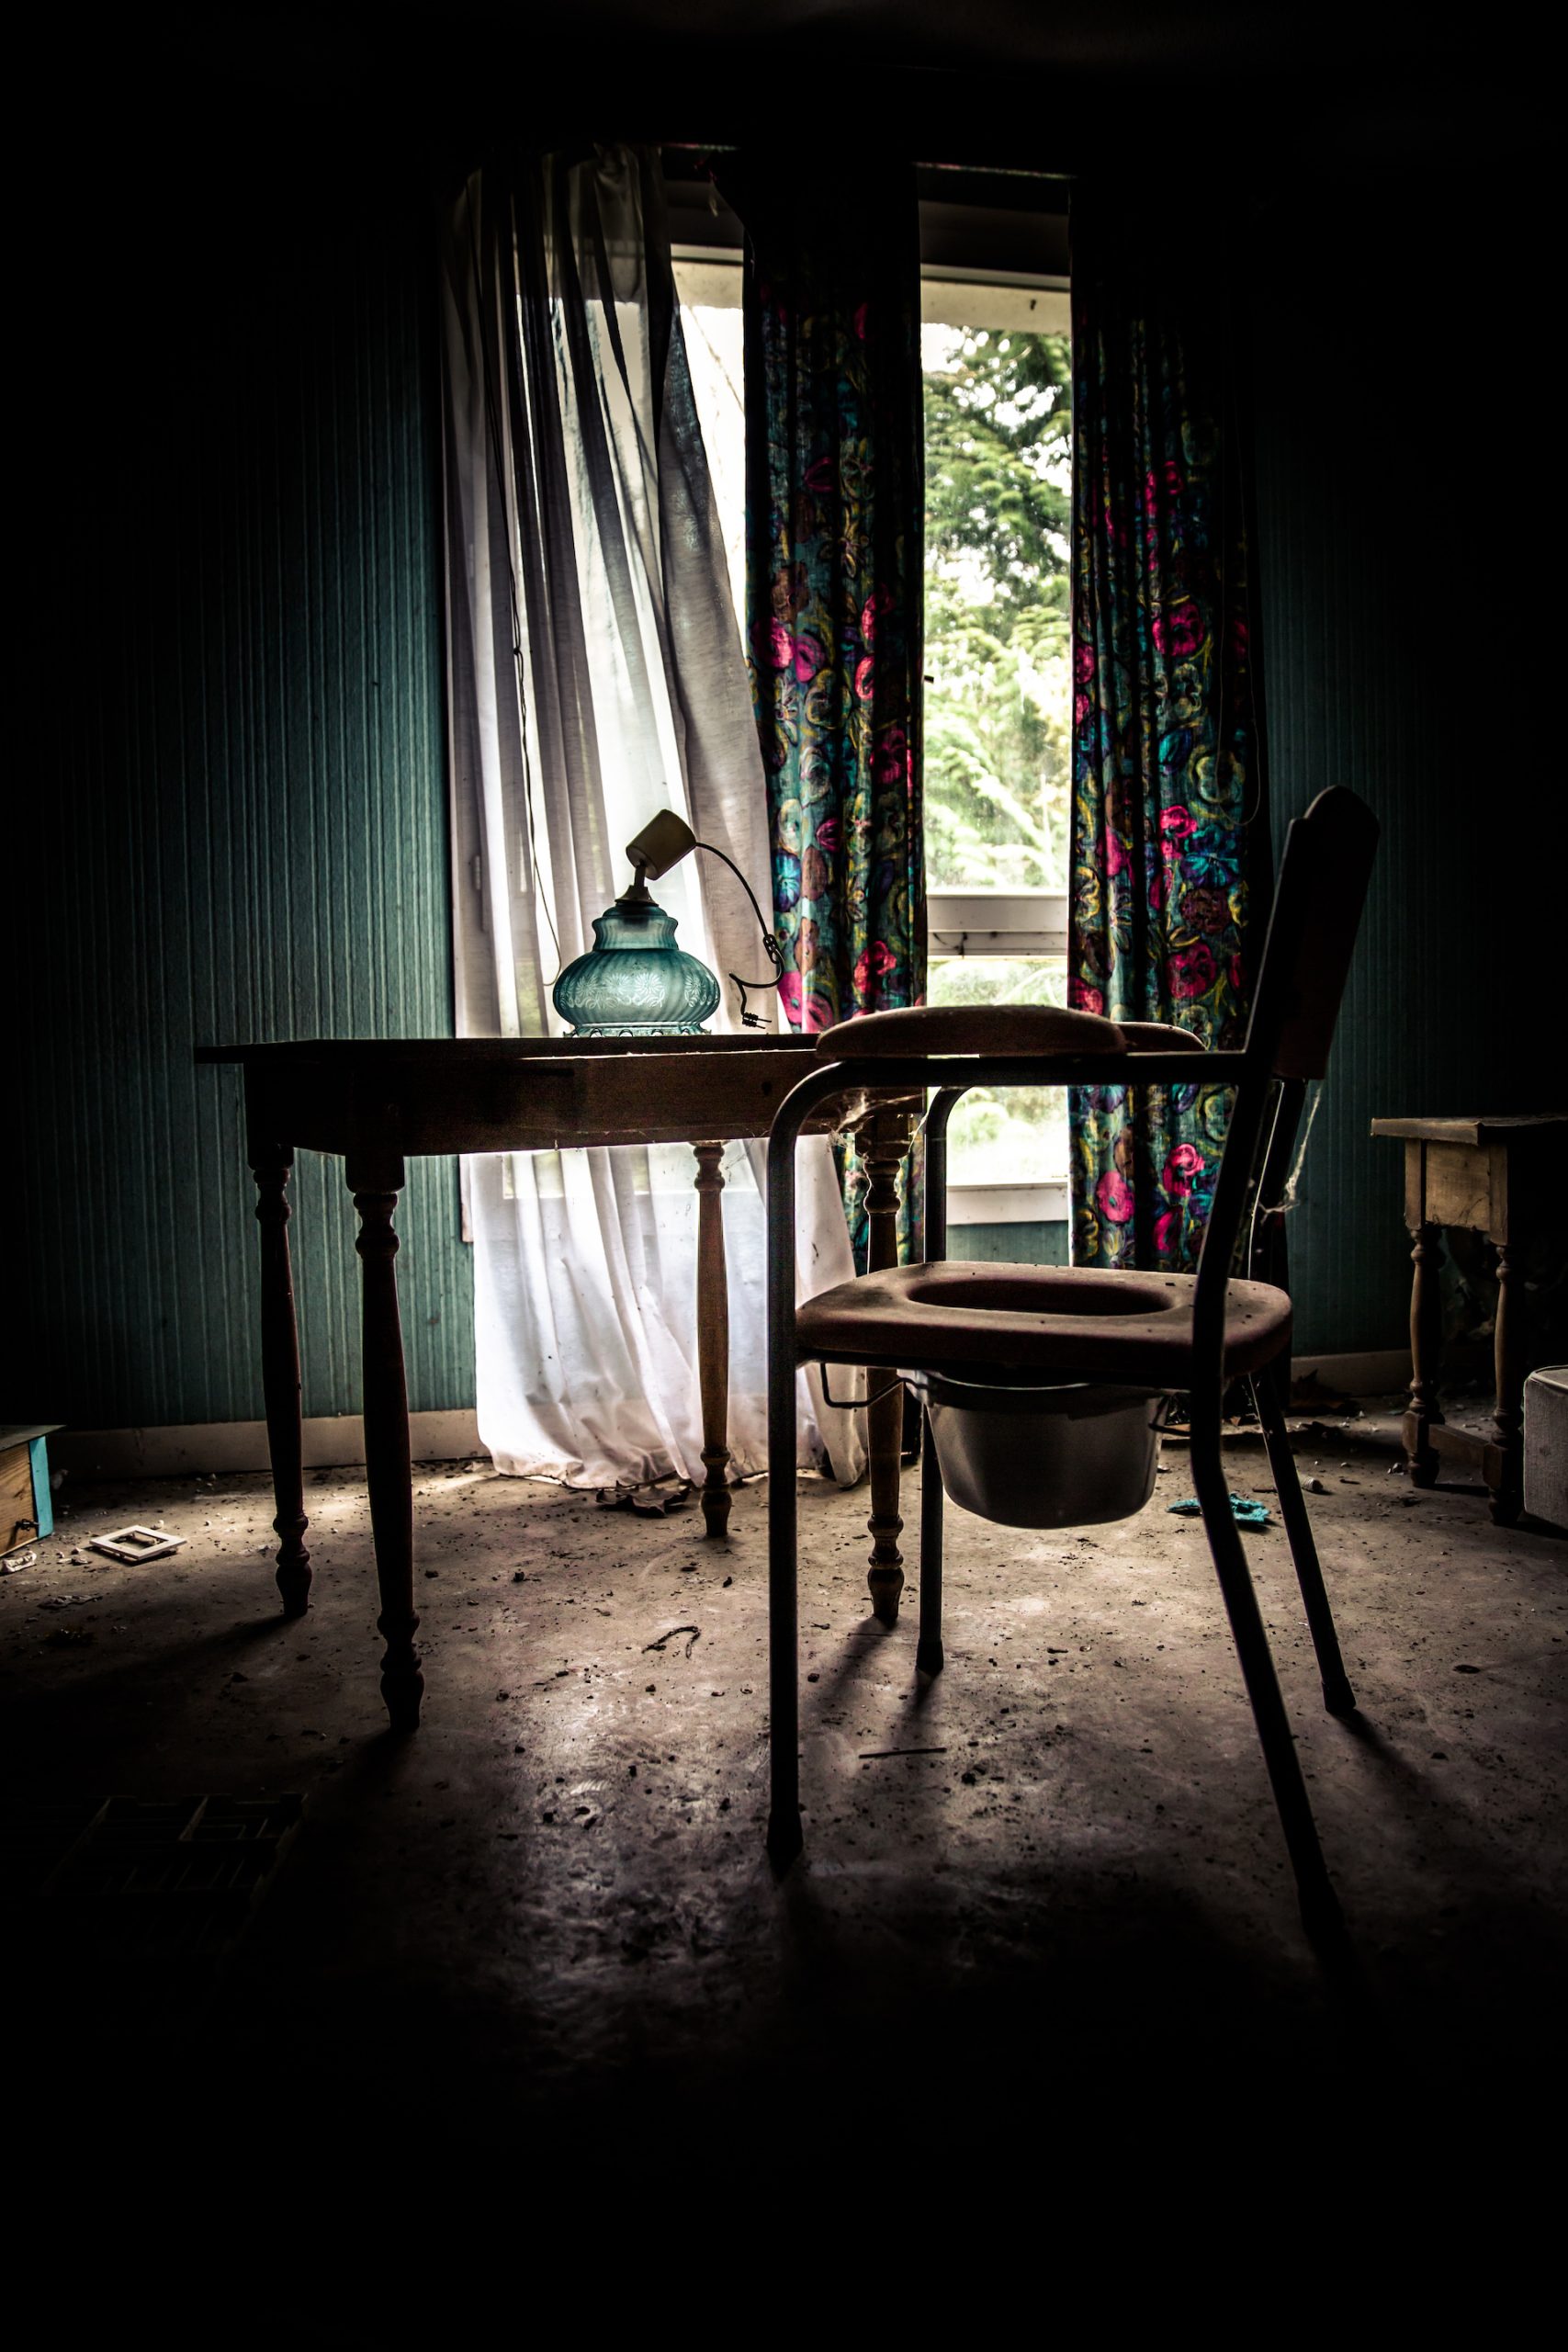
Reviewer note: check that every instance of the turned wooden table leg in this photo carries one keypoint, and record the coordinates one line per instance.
(712, 1337)
(883, 1150)
(280, 1376)
(1425, 1413)
(1508, 1473)
(388, 1465)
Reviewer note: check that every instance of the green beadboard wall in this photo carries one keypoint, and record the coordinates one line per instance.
(1399, 652)
(238, 822)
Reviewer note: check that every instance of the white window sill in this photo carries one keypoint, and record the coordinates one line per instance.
(1008, 1203)
(997, 923)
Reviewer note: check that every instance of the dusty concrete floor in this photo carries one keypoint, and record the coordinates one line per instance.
(549, 1915)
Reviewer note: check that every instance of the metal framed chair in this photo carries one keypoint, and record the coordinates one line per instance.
(1158, 1334)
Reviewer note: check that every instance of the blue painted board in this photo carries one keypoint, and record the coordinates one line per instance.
(43, 1501)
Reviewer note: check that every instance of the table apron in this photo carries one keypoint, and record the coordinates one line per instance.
(543, 1108)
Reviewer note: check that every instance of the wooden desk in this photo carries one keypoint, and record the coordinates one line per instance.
(377, 1103)
(1499, 1177)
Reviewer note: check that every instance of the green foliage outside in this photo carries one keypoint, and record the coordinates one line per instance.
(998, 706)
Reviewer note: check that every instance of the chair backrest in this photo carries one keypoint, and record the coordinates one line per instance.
(1311, 933)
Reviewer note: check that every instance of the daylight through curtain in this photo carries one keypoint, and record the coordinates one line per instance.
(1167, 742)
(596, 675)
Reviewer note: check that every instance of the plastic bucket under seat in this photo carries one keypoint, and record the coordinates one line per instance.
(1067, 1454)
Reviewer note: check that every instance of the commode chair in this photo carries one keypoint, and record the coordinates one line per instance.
(1082, 1360)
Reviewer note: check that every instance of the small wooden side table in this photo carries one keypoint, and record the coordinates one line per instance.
(1498, 1177)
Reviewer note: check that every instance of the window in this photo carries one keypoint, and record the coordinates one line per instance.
(996, 362)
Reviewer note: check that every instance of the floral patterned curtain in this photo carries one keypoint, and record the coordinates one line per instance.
(836, 512)
(835, 563)
(1166, 822)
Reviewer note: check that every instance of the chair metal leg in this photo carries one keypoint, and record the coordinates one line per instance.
(1320, 1905)
(929, 1651)
(784, 1838)
(1338, 1695)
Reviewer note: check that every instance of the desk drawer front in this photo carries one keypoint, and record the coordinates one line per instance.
(1457, 1185)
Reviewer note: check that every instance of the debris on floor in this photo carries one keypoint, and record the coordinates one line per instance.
(1245, 1509)
(658, 1499)
(131, 1543)
(1311, 1394)
(695, 1633)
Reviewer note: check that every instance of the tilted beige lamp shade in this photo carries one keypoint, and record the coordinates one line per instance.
(663, 841)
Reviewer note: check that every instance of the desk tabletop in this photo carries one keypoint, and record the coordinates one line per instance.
(1529, 1129)
(373, 1052)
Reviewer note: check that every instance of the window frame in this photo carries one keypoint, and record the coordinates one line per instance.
(997, 923)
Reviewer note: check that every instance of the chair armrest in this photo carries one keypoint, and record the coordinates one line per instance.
(1025, 1032)
(1160, 1037)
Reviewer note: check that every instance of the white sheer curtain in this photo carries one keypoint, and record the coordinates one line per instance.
(596, 675)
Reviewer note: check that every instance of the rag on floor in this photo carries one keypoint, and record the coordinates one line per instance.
(1245, 1509)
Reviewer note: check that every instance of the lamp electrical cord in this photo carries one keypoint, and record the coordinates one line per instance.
(771, 947)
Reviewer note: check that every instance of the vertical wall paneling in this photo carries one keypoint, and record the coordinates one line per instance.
(238, 830)
(1398, 636)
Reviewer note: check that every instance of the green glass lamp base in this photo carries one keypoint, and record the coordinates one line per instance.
(634, 981)
(639, 1029)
